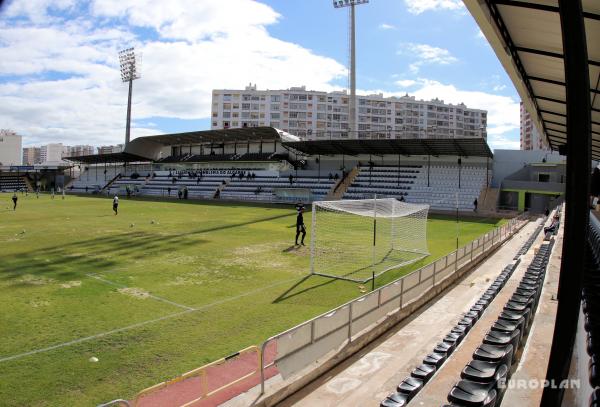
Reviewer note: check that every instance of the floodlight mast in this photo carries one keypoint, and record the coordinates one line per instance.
(130, 70)
(352, 104)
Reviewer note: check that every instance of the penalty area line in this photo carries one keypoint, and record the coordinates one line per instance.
(139, 324)
(154, 297)
(89, 338)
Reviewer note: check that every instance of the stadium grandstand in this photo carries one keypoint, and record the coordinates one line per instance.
(510, 320)
(266, 164)
(509, 317)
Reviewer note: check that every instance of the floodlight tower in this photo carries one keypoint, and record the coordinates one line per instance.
(130, 70)
(352, 104)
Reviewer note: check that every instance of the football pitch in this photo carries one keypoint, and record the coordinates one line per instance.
(160, 289)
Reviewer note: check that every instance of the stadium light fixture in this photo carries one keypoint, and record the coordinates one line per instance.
(352, 104)
(130, 64)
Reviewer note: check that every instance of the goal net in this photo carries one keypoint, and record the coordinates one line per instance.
(352, 239)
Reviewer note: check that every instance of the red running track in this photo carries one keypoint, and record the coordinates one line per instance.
(219, 375)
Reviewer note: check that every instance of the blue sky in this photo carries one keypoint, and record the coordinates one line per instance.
(59, 77)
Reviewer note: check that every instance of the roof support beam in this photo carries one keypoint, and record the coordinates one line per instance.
(497, 17)
(546, 98)
(430, 151)
(545, 80)
(557, 123)
(524, 4)
(459, 148)
(396, 146)
(577, 192)
(551, 112)
(550, 54)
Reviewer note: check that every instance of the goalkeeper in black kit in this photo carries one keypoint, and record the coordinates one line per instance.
(300, 227)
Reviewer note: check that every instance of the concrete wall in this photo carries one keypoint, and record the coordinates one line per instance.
(11, 152)
(507, 162)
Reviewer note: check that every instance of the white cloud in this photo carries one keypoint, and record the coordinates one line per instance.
(425, 54)
(421, 6)
(503, 111)
(503, 142)
(406, 83)
(37, 10)
(385, 26)
(68, 88)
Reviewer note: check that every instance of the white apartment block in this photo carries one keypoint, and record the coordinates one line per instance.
(31, 155)
(76, 151)
(314, 115)
(530, 137)
(10, 148)
(52, 152)
(111, 149)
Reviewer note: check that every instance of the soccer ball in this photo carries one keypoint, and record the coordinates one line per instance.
(93, 359)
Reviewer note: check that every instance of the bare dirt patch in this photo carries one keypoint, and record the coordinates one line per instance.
(39, 303)
(35, 280)
(71, 284)
(134, 292)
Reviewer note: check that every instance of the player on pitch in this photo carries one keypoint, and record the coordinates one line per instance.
(300, 227)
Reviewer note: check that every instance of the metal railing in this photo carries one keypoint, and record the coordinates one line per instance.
(300, 346)
(327, 331)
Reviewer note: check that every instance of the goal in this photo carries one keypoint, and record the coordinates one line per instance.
(358, 239)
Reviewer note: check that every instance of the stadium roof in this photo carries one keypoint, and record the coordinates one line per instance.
(527, 38)
(107, 158)
(465, 147)
(219, 136)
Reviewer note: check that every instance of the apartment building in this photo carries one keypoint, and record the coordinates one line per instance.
(111, 149)
(530, 137)
(315, 115)
(77, 151)
(52, 152)
(10, 148)
(31, 155)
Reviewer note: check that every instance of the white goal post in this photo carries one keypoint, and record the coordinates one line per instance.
(358, 239)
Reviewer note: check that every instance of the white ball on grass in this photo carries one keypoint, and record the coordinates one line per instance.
(93, 359)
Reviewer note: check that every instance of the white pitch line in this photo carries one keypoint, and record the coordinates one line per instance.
(155, 297)
(89, 338)
(139, 324)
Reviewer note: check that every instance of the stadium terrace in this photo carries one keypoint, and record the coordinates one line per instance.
(216, 164)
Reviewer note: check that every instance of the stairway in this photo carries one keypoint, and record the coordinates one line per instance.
(338, 190)
(488, 199)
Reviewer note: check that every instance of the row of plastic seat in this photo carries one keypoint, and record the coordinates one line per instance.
(385, 175)
(410, 386)
(590, 306)
(484, 379)
(527, 245)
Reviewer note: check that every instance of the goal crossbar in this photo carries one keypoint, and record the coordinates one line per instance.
(358, 239)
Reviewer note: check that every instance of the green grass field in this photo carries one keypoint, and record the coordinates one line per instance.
(158, 290)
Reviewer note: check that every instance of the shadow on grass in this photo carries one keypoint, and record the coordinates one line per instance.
(297, 289)
(99, 254)
(216, 202)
